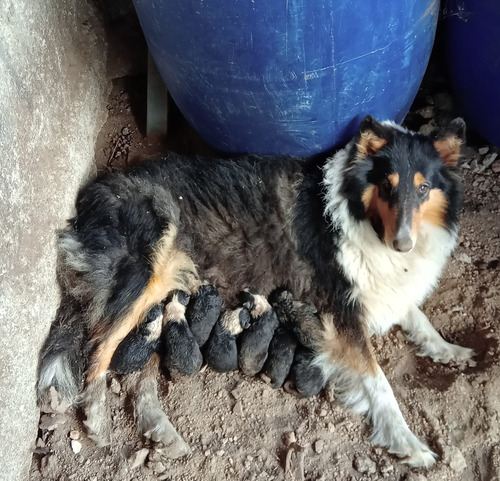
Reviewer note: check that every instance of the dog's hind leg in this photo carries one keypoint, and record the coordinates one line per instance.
(62, 360)
(421, 332)
(360, 384)
(171, 269)
(151, 420)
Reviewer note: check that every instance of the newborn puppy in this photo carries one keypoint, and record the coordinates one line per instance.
(301, 321)
(221, 352)
(306, 376)
(202, 312)
(137, 348)
(180, 351)
(279, 357)
(254, 342)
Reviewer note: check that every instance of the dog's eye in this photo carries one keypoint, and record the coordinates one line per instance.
(423, 189)
(386, 185)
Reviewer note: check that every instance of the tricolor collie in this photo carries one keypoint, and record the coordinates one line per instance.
(362, 235)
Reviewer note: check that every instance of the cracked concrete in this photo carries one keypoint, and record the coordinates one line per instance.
(53, 90)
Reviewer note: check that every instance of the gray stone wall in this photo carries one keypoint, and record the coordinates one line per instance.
(53, 92)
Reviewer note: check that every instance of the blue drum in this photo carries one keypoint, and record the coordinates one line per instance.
(288, 76)
(472, 42)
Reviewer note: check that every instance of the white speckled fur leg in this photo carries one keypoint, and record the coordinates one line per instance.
(151, 420)
(373, 396)
(421, 332)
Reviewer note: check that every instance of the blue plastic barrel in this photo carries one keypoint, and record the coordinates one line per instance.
(288, 76)
(472, 42)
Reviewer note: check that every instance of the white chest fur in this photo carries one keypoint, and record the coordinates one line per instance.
(387, 283)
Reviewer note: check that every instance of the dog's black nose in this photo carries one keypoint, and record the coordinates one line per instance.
(403, 244)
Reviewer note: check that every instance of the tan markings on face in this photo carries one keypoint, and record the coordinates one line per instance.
(449, 149)
(369, 143)
(379, 209)
(394, 179)
(432, 210)
(368, 196)
(418, 179)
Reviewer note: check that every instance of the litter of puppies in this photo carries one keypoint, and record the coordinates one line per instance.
(250, 337)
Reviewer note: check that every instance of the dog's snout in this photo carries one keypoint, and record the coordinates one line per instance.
(403, 244)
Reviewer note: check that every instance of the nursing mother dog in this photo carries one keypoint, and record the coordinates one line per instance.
(362, 235)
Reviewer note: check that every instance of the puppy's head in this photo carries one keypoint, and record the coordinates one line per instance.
(399, 179)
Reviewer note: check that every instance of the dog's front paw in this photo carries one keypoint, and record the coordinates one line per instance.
(405, 445)
(444, 353)
(420, 458)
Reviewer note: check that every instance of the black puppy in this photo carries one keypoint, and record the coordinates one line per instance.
(221, 350)
(180, 351)
(280, 356)
(254, 341)
(139, 345)
(202, 312)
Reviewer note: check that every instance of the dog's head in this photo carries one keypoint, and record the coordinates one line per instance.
(399, 179)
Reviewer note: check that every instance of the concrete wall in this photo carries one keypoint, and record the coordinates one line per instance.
(53, 93)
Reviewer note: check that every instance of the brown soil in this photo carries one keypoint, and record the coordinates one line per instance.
(241, 429)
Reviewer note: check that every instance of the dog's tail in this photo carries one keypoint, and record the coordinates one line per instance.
(63, 356)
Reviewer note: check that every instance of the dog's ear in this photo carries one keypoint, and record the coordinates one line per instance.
(450, 142)
(372, 137)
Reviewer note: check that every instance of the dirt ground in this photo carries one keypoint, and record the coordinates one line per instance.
(241, 429)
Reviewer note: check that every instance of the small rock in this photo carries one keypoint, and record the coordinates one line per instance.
(483, 150)
(385, 467)
(57, 405)
(289, 438)
(365, 465)
(40, 443)
(49, 422)
(125, 131)
(138, 458)
(238, 392)
(115, 386)
(426, 112)
(454, 458)
(158, 467)
(488, 160)
(415, 477)
(464, 258)
(495, 166)
(76, 446)
(322, 413)
(318, 446)
(74, 434)
(238, 409)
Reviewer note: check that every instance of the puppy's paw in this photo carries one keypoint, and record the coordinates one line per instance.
(445, 352)
(155, 425)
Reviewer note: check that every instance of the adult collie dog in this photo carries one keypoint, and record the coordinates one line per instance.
(362, 235)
